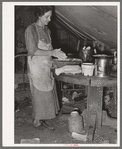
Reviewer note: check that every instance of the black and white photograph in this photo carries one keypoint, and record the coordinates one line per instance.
(61, 67)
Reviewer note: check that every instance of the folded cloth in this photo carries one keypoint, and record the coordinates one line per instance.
(68, 69)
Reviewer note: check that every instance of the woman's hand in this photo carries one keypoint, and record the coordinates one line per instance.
(59, 54)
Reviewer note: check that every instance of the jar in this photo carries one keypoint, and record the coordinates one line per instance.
(75, 122)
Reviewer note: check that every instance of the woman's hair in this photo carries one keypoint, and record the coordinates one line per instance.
(41, 10)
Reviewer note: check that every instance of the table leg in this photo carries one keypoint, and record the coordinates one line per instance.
(94, 103)
(115, 99)
(59, 92)
(86, 90)
(91, 130)
(94, 109)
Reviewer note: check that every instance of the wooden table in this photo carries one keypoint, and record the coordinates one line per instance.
(95, 95)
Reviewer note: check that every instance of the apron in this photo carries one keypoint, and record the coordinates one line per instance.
(40, 74)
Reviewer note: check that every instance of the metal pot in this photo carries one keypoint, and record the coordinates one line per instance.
(86, 55)
(103, 65)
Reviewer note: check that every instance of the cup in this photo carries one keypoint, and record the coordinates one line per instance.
(87, 69)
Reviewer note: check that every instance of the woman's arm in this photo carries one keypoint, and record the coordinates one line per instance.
(41, 52)
(31, 41)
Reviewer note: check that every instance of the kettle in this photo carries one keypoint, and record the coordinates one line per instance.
(85, 54)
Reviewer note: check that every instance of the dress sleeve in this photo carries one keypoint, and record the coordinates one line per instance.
(49, 32)
(31, 40)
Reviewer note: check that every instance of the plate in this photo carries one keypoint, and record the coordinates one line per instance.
(102, 55)
(73, 73)
(69, 60)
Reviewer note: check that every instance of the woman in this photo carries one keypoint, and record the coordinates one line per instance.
(38, 43)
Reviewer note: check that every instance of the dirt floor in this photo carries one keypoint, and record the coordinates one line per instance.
(24, 130)
(60, 134)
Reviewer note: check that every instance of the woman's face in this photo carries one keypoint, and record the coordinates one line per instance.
(46, 18)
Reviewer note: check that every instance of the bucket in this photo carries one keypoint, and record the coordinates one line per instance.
(87, 69)
(103, 65)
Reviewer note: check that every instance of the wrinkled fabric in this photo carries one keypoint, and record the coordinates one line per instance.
(45, 102)
(73, 69)
(40, 69)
